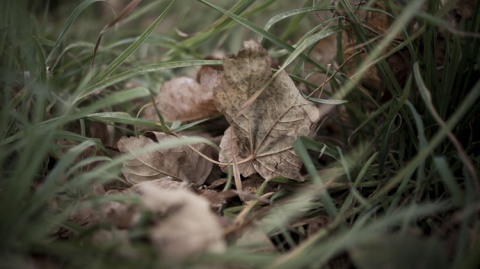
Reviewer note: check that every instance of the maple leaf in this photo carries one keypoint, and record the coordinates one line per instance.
(261, 135)
(181, 163)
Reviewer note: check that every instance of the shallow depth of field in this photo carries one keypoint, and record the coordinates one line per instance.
(240, 134)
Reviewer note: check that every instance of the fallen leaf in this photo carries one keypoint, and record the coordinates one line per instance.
(184, 99)
(188, 228)
(180, 163)
(261, 137)
(119, 215)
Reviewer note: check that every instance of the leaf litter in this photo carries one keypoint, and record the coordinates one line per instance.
(169, 181)
(189, 228)
(181, 163)
(182, 226)
(259, 140)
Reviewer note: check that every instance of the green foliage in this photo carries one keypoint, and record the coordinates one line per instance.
(403, 168)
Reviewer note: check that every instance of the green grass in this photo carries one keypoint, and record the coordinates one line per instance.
(393, 169)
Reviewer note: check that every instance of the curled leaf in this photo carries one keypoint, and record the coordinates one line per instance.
(189, 226)
(261, 134)
(180, 163)
(184, 99)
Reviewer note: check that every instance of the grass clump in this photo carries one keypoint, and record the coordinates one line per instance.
(392, 171)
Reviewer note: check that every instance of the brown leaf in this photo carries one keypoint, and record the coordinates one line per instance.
(261, 137)
(120, 215)
(181, 163)
(189, 226)
(184, 99)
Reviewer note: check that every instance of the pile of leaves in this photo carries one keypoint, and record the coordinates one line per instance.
(359, 150)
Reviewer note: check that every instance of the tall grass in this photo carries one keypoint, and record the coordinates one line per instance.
(397, 175)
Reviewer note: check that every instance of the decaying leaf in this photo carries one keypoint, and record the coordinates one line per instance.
(261, 137)
(181, 163)
(185, 226)
(117, 214)
(189, 226)
(184, 99)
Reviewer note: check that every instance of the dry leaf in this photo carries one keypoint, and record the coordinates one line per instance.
(119, 215)
(184, 99)
(181, 163)
(261, 137)
(189, 226)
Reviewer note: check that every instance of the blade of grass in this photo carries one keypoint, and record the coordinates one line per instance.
(407, 14)
(463, 108)
(447, 177)
(290, 13)
(140, 71)
(262, 32)
(302, 153)
(309, 252)
(123, 118)
(78, 10)
(117, 19)
(113, 99)
(217, 26)
(411, 166)
(427, 98)
(125, 54)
